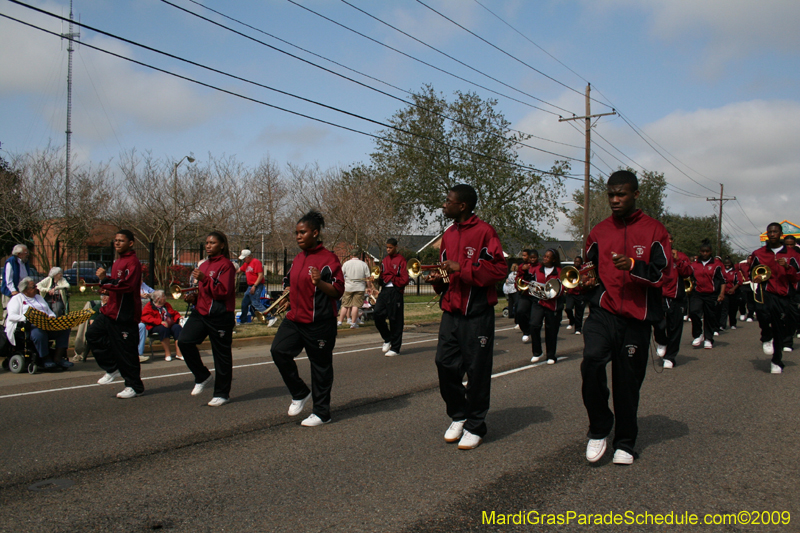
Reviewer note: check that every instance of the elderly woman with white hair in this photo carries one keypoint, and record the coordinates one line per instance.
(17, 306)
(55, 291)
(162, 320)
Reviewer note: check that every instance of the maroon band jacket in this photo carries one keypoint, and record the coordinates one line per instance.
(309, 304)
(395, 271)
(709, 277)
(541, 277)
(673, 287)
(782, 277)
(217, 291)
(123, 284)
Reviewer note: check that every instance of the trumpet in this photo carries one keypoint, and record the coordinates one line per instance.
(283, 298)
(765, 272)
(415, 269)
(543, 291)
(178, 293)
(688, 285)
(82, 285)
(374, 273)
(572, 277)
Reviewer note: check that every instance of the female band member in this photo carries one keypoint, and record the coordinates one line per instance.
(546, 311)
(708, 290)
(212, 316)
(316, 282)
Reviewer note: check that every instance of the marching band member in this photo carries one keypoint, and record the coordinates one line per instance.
(631, 251)
(772, 296)
(730, 306)
(530, 261)
(316, 282)
(794, 299)
(669, 330)
(747, 306)
(113, 337)
(546, 311)
(709, 289)
(575, 302)
(472, 256)
(214, 317)
(390, 300)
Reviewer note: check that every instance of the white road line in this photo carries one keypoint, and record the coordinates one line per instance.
(212, 369)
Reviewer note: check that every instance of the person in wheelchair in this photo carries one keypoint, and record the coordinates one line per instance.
(28, 297)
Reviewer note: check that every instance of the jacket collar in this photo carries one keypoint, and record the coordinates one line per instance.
(471, 221)
(630, 219)
(315, 249)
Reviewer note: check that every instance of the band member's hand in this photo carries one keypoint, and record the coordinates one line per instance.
(51, 292)
(101, 273)
(621, 262)
(757, 279)
(525, 267)
(782, 261)
(102, 291)
(190, 298)
(590, 283)
(721, 297)
(282, 307)
(198, 274)
(451, 266)
(253, 289)
(674, 254)
(315, 274)
(433, 277)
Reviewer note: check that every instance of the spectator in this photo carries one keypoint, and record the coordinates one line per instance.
(357, 280)
(161, 319)
(254, 272)
(510, 290)
(55, 291)
(15, 269)
(17, 306)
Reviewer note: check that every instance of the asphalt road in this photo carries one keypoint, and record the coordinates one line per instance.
(718, 434)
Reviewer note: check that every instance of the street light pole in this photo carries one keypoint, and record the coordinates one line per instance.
(190, 159)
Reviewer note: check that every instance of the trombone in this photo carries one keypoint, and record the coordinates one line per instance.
(82, 285)
(765, 272)
(178, 293)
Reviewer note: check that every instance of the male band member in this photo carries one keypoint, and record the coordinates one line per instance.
(772, 297)
(730, 306)
(473, 258)
(113, 337)
(794, 299)
(747, 307)
(709, 289)
(547, 311)
(390, 300)
(669, 330)
(357, 279)
(631, 251)
(575, 300)
(254, 272)
(530, 261)
(15, 269)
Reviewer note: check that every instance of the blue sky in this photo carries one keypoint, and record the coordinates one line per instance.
(714, 83)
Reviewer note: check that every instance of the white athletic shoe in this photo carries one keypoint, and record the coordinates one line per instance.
(391, 353)
(742, 318)
(716, 333)
(296, 407)
(621, 457)
(454, 432)
(313, 421)
(272, 321)
(144, 358)
(198, 387)
(168, 358)
(216, 401)
(338, 323)
(128, 392)
(668, 363)
(595, 450)
(798, 335)
(698, 341)
(767, 347)
(517, 327)
(537, 358)
(661, 350)
(733, 327)
(569, 327)
(708, 345)
(787, 349)
(551, 361)
(775, 369)
(526, 339)
(577, 333)
(386, 347)
(686, 318)
(469, 441)
(749, 320)
(108, 378)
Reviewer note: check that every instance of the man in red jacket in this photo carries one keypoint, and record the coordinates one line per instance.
(113, 337)
(390, 300)
(631, 251)
(669, 330)
(473, 258)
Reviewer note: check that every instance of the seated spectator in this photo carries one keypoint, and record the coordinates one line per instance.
(55, 291)
(162, 320)
(17, 306)
(81, 349)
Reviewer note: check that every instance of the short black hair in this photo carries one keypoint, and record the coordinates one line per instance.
(221, 237)
(705, 243)
(621, 177)
(789, 237)
(466, 194)
(392, 241)
(775, 224)
(527, 251)
(128, 233)
(556, 256)
(313, 219)
(533, 251)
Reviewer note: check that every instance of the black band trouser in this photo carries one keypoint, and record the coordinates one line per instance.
(219, 330)
(115, 346)
(669, 330)
(390, 306)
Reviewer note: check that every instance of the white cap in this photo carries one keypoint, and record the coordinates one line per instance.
(245, 253)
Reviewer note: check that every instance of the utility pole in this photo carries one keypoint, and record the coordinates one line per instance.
(588, 118)
(721, 201)
(70, 36)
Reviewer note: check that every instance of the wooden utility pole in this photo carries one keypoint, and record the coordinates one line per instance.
(721, 201)
(587, 157)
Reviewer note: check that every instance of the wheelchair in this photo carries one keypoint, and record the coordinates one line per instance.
(22, 357)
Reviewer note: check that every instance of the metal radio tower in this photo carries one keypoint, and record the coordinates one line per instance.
(70, 36)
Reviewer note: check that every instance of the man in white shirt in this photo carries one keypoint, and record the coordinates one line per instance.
(356, 280)
(16, 269)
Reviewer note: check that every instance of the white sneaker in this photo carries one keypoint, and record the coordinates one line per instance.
(537, 358)
(733, 327)
(454, 432)
(787, 349)
(216, 401)
(798, 335)
(551, 361)
(338, 323)
(595, 450)
(108, 378)
(198, 387)
(391, 353)
(386, 347)
(569, 326)
(517, 327)
(128, 392)
(775, 369)
(742, 318)
(296, 407)
(767, 347)
(661, 350)
(621, 457)
(668, 363)
(749, 320)
(716, 333)
(313, 421)
(577, 333)
(272, 321)
(353, 326)
(526, 339)
(686, 318)
(349, 320)
(698, 341)
(708, 345)
(469, 441)
(144, 358)
(168, 358)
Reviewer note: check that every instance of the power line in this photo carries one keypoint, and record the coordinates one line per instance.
(254, 100)
(741, 208)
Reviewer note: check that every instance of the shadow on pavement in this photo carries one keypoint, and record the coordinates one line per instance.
(508, 421)
(654, 429)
